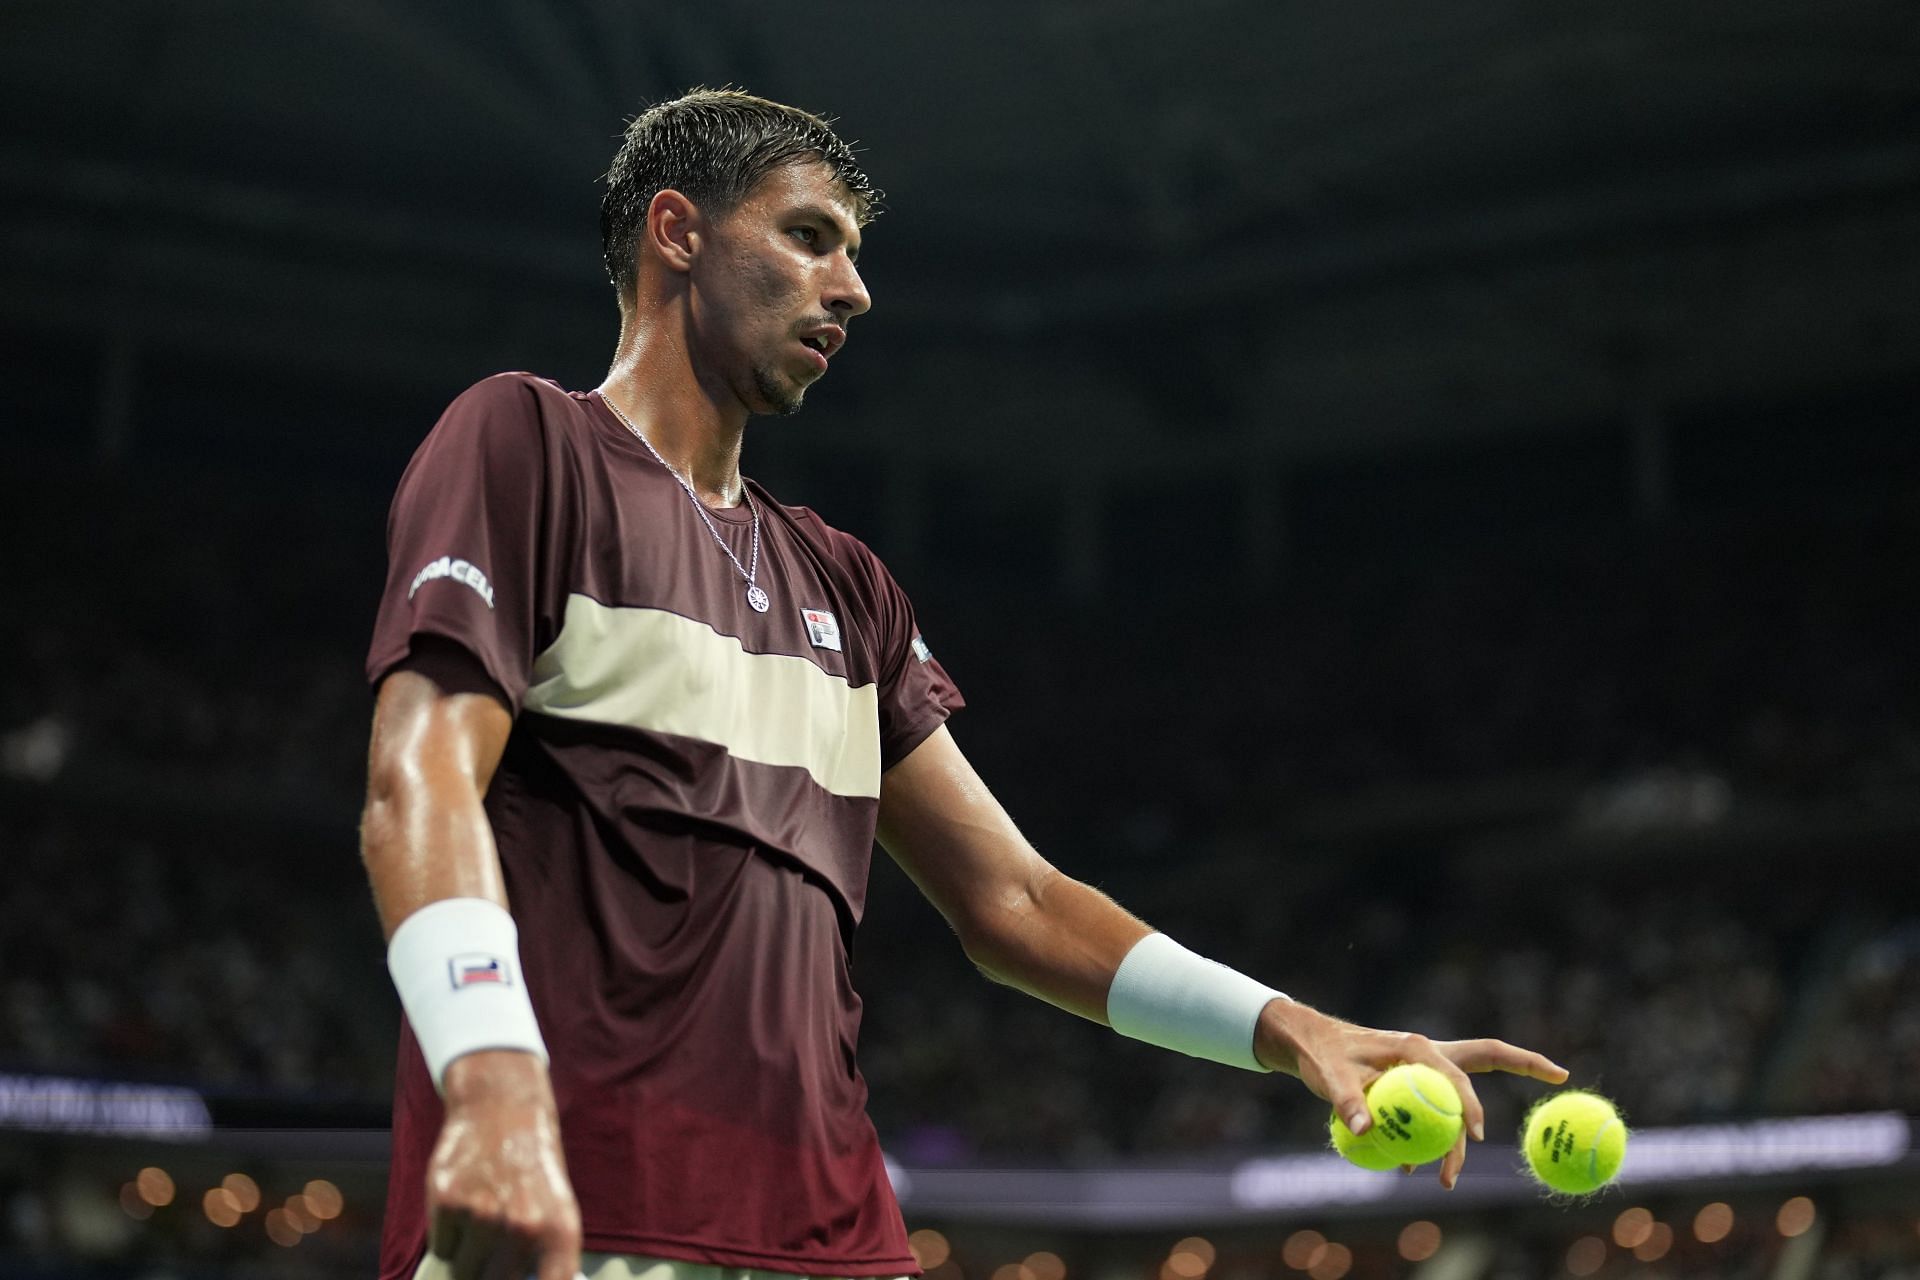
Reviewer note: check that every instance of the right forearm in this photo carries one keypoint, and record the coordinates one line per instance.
(424, 836)
(452, 947)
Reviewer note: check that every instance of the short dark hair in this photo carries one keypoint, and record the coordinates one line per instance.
(713, 146)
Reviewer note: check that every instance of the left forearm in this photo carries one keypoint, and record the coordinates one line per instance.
(1059, 940)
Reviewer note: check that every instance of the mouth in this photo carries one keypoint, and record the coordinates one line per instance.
(821, 342)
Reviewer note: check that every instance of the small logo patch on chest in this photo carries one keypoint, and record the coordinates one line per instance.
(823, 631)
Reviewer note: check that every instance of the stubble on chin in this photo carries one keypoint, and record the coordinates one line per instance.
(780, 397)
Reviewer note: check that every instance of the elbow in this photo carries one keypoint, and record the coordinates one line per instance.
(993, 966)
(991, 963)
(997, 938)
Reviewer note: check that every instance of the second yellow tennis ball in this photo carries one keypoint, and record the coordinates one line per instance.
(1574, 1142)
(1416, 1114)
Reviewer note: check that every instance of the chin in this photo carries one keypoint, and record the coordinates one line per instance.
(776, 396)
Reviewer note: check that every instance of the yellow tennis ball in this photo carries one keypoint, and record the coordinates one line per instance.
(1416, 1114)
(1574, 1141)
(1362, 1151)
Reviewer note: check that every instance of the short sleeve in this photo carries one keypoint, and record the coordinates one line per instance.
(916, 693)
(465, 553)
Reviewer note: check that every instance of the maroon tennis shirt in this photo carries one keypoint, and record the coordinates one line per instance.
(684, 812)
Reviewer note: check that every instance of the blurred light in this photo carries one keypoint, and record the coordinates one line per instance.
(1419, 1241)
(1301, 1248)
(1713, 1223)
(325, 1199)
(1046, 1266)
(1795, 1216)
(280, 1229)
(132, 1201)
(155, 1186)
(1632, 1227)
(1012, 1271)
(301, 1215)
(930, 1248)
(1586, 1255)
(1334, 1262)
(220, 1206)
(1655, 1246)
(1199, 1248)
(1189, 1260)
(245, 1191)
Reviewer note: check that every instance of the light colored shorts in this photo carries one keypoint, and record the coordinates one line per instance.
(627, 1266)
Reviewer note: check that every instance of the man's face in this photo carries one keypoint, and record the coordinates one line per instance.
(774, 293)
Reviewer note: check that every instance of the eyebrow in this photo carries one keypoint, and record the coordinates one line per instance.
(821, 213)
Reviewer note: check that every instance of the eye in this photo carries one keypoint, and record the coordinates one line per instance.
(805, 235)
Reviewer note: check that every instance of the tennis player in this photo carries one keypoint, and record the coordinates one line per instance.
(638, 725)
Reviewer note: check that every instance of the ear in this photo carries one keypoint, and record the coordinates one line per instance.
(675, 229)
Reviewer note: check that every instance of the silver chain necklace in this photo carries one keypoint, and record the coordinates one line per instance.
(756, 597)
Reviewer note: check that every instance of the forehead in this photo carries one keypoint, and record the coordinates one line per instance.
(804, 184)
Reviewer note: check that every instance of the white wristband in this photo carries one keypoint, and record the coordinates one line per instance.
(456, 965)
(1164, 994)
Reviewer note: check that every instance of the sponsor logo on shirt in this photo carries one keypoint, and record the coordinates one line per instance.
(479, 971)
(459, 571)
(822, 629)
(920, 649)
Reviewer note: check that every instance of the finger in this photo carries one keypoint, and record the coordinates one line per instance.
(444, 1237)
(1472, 1114)
(1349, 1099)
(511, 1257)
(1498, 1055)
(1456, 1159)
(476, 1249)
(560, 1254)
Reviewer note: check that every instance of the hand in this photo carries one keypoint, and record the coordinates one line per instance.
(498, 1198)
(1339, 1061)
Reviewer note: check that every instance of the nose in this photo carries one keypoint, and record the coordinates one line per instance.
(846, 293)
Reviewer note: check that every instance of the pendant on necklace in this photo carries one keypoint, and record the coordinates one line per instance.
(757, 598)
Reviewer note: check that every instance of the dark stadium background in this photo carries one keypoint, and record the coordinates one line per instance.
(1422, 500)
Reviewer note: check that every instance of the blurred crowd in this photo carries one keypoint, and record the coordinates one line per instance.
(230, 960)
(241, 962)
(181, 747)
(201, 644)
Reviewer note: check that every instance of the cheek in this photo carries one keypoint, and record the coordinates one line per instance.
(772, 281)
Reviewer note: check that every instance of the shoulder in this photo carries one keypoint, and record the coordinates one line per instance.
(837, 544)
(510, 414)
(859, 569)
(510, 396)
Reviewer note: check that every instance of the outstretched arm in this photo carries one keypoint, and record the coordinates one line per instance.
(1025, 924)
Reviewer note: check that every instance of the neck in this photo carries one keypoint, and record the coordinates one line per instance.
(695, 430)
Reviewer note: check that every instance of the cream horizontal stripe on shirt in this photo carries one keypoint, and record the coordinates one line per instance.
(650, 669)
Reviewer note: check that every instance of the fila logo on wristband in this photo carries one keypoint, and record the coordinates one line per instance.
(479, 970)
